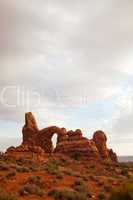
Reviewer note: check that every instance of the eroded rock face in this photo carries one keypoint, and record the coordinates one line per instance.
(26, 152)
(33, 136)
(44, 138)
(113, 155)
(100, 140)
(30, 130)
(76, 143)
(68, 142)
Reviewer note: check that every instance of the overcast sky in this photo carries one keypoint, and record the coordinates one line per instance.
(71, 64)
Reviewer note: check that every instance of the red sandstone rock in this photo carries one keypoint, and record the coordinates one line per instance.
(83, 147)
(44, 138)
(30, 130)
(100, 140)
(26, 152)
(113, 155)
(38, 142)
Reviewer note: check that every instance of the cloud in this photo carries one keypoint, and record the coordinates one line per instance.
(123, 125)
(7, 142)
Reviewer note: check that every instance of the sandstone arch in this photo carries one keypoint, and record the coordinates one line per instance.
(43, 138)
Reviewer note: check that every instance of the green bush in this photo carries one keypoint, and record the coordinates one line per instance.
(31, 189)
(36, 180)
(76, 156)
(11, 174)
(22, 169)
(66, 194)
(107, 188)
(101, 196)
(6, 196)
(124, 192)
(4, 166)
(80, 186)
(124, 172)
(92, 166)
(59, 176)
(64, 162)
(34, 185)
(52, 167)
(69, 172)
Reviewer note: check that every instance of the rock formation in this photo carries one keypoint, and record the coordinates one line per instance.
(30, 130)
(100, 140)
(113, 155)
(68, 142)
(26, 152)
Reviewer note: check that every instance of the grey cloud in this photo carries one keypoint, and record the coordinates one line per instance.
(64, 47)
(7, 142)
(123, 125)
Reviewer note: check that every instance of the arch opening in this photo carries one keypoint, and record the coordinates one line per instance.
(54, 140)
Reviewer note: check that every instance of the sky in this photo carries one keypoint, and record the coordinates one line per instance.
(71, 64)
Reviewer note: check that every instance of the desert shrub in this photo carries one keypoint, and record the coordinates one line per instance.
(107, 188)
(69, 172)
(30, 189)
(100, 183)
(6, 196)
(36, 180)
(33, 168)
(101, 196)
(23, 161)
(64, 162)
(124, 192)
(33, 185)
(22, 169)
(123, 165)
(4, 166)
(92, 166)
(59, 176)
(85, 177)
(52, 166)
(76, 156)
(93, 178)
(124, 172)
(80, 186)
(66, 194)
(28, 163)
(108, 164)
(7, 159)
(11, 174)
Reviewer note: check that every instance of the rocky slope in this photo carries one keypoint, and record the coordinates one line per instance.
(59, 177)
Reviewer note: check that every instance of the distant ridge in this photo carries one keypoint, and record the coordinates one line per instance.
(125, 158)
